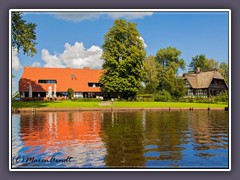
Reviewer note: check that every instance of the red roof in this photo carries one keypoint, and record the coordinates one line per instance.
(77, 79)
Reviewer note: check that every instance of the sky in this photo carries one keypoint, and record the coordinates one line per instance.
(74, 39)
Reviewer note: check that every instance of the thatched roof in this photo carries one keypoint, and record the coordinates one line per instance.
(203, 79)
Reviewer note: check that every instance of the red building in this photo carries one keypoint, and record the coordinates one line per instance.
(84, 82)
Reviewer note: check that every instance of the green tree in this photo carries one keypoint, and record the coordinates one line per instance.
(151, 88)
(123, 55)
(70, 92)
(203, 63)
(151, 74)
(223, 69)
(169, 58)
(163, 96)
(23, 35)
(151, 69)
(169, 63)
(173, 84)
(212, 64)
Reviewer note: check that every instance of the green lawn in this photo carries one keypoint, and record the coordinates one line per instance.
(75, 104)
(166, 105)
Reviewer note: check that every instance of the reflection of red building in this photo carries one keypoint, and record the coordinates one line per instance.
(84, 82)
(59, 130)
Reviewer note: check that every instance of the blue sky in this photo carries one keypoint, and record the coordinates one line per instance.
(75, 39)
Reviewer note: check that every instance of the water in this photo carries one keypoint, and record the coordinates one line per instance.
(136, 139)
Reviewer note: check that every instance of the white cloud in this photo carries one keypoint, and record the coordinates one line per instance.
(14, 87)
(14, 84)
(36, 64)
(75, 56)
(144, 44)
(15, 60)
(51, 60)
(129, 15)
(81, 16)
(76, 16)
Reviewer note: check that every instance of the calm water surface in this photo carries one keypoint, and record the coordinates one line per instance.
(145, 139)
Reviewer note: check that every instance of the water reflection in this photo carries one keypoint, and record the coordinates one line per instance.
(210, 136)
(123, 137)
(156, 139)
(63, 134)
(165, 137)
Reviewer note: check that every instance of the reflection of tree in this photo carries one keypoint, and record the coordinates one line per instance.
(123, 137)
(210, 131)
(164, 130)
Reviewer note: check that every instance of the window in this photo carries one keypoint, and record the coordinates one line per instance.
(93, 84)
(201, 92)
(189, 92)
(47, 81)
(78, 94)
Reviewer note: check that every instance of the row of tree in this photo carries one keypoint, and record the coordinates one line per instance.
(127, 71)
(161, 71)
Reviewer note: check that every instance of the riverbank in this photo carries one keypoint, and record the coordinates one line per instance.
(111, 109)
(18, 106)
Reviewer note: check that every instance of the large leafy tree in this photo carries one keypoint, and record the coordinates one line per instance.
(203, 63)
(175, 85)
(151, 74)
(169, 63)
(223, 69)
(170, 58)
(123, 55)
(23, 35)
(151, 68)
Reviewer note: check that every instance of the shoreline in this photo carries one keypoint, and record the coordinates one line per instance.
(18, 110)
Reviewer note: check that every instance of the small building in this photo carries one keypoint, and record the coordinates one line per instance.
(205, 83)
(84, 82)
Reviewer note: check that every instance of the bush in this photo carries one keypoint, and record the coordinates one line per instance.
(163, 96)
(212, 99)
(141, 99)
(222, 97)
(150, 88)
(70, 93)
(145, 98)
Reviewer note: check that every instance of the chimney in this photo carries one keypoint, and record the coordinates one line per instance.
(198, 70)
(86, 68)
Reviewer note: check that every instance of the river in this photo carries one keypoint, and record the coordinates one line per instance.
(127, 139)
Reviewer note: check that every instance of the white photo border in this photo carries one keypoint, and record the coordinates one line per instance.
(119, 10)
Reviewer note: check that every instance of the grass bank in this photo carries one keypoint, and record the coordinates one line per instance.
(75, 104)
